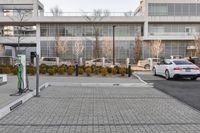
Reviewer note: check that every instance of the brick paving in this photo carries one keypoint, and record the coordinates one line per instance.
(102, 110)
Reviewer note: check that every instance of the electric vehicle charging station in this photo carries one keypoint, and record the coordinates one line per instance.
(22, 58)
(21, 75)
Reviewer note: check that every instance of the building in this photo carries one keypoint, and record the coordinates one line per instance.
(26, 28)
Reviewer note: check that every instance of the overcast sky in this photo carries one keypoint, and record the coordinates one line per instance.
(89, 5)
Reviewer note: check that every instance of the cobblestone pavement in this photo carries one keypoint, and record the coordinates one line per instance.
(102, 110)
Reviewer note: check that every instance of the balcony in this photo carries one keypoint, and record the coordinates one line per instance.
(171, 36)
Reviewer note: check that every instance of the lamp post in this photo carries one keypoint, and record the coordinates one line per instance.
(114, 45)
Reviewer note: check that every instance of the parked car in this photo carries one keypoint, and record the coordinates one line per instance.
(175, 68)
(147, 62)
(196, 60)
(99, 62)
(7, 60)
(53, 61)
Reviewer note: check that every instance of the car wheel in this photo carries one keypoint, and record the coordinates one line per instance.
(167, 75)
(194, 78)
(147, 66)
(154, 71)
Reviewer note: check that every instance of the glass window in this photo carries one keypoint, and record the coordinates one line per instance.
(178, 9)
(186, 8)
(182, 62)
(171, 9)
(193, 9)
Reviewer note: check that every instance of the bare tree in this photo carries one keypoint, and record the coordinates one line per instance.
(137, 48)
(156, 48)
(19, 17)
(197, 45)
(107, 47)
(128, 14)
(78, 49)
(56, 11)
(61, 46)
(2, 49)
(97, 16)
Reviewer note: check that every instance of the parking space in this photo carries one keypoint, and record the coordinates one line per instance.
(102, 110)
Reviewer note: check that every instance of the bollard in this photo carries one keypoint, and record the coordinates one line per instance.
(76, 70)
(129, 70)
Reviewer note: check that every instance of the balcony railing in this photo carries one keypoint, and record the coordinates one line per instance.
(173, 34)
(79, 14)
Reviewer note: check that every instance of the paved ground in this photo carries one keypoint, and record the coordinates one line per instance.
(102, 110)
(186, 91)
(11, 86)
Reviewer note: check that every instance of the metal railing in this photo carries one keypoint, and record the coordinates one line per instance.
(79, 14)
(173, 34)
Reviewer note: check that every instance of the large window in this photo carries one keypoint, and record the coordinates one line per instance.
(80, 30)
(174, 29)
(174, 9)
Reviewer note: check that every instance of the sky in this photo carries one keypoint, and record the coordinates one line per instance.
(89, 5)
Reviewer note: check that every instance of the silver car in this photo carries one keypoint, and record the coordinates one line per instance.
(99, 62)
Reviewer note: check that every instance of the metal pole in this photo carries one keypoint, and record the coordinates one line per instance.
(37, 75)
(76, 69)
(129, 70)
(114, 45)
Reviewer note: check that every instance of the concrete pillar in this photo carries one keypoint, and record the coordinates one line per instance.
(35, 8)
(38, 47)
(1, 12)
(146, 29)
(2, 50)
(14, 52)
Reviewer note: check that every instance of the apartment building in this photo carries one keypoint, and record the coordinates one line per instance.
(174, 22)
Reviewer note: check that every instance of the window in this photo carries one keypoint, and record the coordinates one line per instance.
(188, 29)
(182, 62)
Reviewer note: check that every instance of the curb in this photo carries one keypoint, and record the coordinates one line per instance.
(62, 84)
(12, 106)
(139, 78)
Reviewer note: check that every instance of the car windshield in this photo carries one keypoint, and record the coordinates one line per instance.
(182, 62)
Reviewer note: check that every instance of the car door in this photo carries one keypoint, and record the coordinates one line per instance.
(108, 63)
(160, 67)
(98, 62)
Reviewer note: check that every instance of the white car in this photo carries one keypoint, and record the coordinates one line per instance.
(146, 64)
(53, 61)
(99, 62)
(175, 68)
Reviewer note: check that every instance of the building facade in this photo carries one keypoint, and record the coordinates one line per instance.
(26, 28)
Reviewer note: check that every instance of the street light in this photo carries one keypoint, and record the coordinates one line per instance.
(114, 45)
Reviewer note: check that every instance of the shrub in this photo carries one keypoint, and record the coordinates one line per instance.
(70, 70)
(117, 68)
(104, 71)
(51, 71)
(97, 71)
(122, 71)
(1, 70)
(43, 66)
(88, 71)
(61, 70)
(80, 71)
(43, 70)
(55, 69)
(32, 71)
(109, 69)
(6, 70)
(114, 71)
(14, 71)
